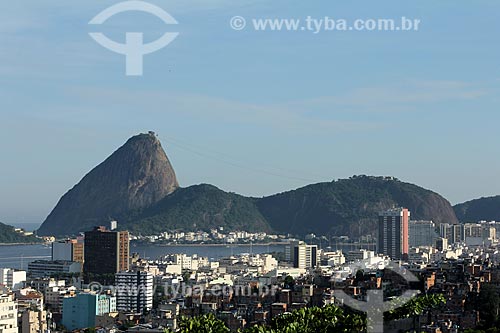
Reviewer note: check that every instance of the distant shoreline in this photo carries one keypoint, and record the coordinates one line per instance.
(20, 244)
(213, 245)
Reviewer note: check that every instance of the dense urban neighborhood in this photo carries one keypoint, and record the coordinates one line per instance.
(96, 283)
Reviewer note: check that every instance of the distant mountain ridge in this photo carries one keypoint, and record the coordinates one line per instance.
(351, 206)
(483, 209)
(137, 186)
(343, 207)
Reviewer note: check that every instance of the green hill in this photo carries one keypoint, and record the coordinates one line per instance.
(487, 209)
(348, 206)
(8, 235)
(199, 207)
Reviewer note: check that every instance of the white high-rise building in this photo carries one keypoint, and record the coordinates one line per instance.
(303, 255)
(335, 258)
(359, 255)
(134, 291)
(185, 261)
(8, 314)
(270, 263)
(192, 263)
(12, 279)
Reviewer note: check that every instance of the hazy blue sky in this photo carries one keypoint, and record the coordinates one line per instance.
(251, 112)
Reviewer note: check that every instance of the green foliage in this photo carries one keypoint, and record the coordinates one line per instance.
(9, 235)
(203, 324)
(186, 275)
(489, 304)
(360, 276)
(289, 282)
(309, 320)
(489, 330)
(416, 306)
(329, 318)
(314, 320)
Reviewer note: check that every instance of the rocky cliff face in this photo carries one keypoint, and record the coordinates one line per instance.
(135, 176)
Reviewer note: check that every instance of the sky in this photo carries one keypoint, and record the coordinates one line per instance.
(252, 112)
